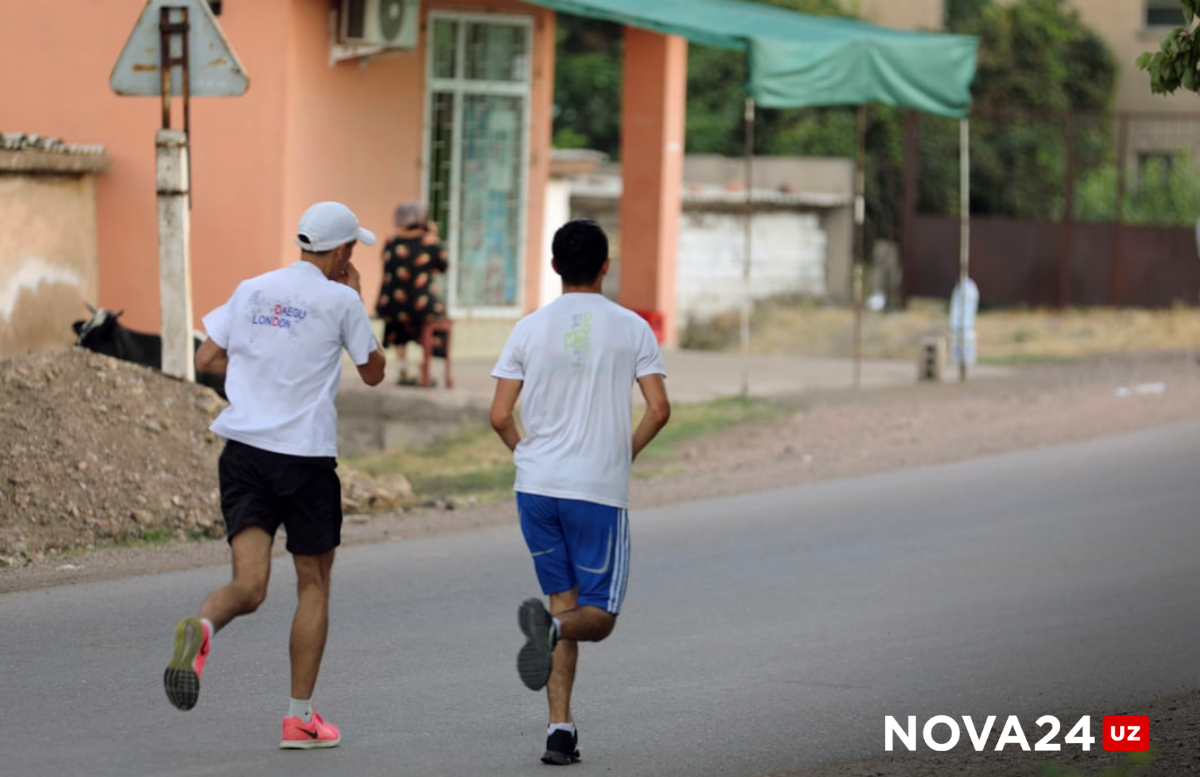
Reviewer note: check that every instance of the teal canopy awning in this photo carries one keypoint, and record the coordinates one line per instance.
(799, 60)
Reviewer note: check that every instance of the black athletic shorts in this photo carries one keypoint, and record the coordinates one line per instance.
(265, 489)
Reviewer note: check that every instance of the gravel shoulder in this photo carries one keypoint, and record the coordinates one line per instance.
(827, 435)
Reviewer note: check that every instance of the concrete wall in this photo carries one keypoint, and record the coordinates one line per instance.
(827, 176)
(47, 258)
(797, 174)
(790, 247)
(788, 258)
(838, 226)
(558, 212)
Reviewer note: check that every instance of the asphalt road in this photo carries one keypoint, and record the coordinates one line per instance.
(761, 633)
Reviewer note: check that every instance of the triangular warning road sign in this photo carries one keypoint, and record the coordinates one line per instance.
(214, 70)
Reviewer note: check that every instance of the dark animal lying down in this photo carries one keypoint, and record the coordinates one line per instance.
(102, 333)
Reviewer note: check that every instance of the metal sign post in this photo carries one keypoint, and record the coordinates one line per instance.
(167, 30)
(964, 251)
(747, 257)
(157, 62)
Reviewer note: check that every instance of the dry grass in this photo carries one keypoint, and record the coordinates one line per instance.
(476, 464)
(790, 327)
(473, 463)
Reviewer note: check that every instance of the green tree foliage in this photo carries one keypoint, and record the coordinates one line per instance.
(1038, 64)
(587, 84)
(1177, 60)
(716, 98)
(1164, 192)
(960, 12)
(1036, 57)
(588, 87)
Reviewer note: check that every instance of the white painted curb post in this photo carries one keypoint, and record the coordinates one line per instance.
(174, 254)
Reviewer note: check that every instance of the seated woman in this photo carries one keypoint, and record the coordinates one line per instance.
(407, 297)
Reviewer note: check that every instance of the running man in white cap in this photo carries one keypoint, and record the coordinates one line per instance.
(279, 341)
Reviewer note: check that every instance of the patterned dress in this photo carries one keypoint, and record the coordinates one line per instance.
(406, 296)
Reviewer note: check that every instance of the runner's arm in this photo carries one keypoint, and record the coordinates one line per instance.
(503, 403)
(658, 411)
(211, 357)
(372, 370)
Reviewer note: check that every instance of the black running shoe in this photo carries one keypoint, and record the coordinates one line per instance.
(562, 748)
(533, 661)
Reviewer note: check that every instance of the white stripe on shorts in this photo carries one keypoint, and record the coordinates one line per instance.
(616, 590)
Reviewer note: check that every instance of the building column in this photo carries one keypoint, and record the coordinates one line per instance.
(653, 108)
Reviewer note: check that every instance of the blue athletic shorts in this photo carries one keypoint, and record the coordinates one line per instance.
(578, 544)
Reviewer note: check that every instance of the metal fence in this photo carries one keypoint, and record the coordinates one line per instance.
(1065, 210)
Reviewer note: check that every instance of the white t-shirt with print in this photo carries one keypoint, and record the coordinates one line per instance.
(578, 357)
(284, 332)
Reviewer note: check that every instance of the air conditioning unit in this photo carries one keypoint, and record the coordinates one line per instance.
(389, 24)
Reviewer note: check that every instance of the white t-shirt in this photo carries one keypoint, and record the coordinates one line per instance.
(284, 332)
(578, 357)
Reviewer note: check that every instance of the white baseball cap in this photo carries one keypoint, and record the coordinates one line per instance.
(327, 225)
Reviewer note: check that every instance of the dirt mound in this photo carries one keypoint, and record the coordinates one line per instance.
(99, 450)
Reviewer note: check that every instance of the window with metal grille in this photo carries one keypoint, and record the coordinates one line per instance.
(1164, 13)
(477, 153)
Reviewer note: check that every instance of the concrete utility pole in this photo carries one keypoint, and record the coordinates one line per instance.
(157, 62)
(175, 253)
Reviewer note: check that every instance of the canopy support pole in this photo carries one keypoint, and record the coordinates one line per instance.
(860, 219)
(964, 241)
(748, 244)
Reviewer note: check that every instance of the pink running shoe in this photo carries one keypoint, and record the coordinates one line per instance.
(182, 678)
(298, 735)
